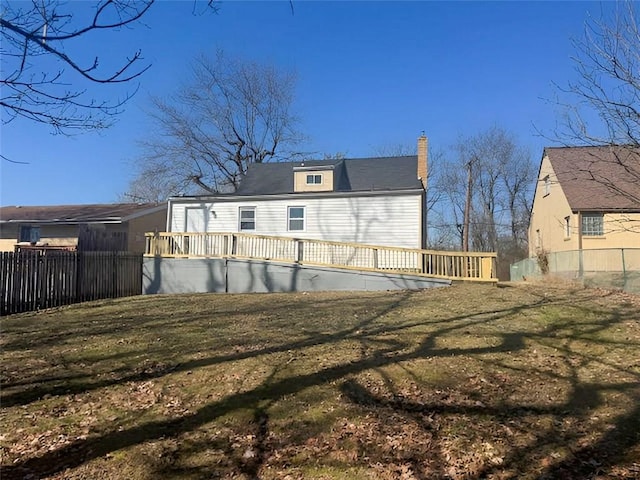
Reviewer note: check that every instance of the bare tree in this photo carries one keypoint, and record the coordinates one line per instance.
(434, 161)
(395, 150)
(602, 107)
(447, 222)
(44, 77)
(231, 113)
(503, 178)
(43, 29)
(486, 192)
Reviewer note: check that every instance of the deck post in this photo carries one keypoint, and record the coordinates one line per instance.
(486, 268)
(299, 251)
(225, 245)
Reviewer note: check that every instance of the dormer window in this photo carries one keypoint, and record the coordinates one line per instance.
(315, 179)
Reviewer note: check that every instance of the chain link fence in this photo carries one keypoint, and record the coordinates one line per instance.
(617, 268)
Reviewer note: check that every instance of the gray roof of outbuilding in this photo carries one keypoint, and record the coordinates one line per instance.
(95, 213)
(350, 175)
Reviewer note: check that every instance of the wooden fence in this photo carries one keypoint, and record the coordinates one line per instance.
(94, 239)
(477, 266)
(32, 280)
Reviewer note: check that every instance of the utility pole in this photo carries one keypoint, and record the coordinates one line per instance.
(467, 208)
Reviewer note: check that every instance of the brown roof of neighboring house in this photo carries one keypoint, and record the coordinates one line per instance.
(100, 213)
(603, 178)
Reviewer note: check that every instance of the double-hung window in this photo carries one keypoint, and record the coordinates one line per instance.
(295, 219)
(314, 179)
(592, 224)
(247, 219)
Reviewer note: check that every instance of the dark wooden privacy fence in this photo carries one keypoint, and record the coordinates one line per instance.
(96, 239)
(34, 280)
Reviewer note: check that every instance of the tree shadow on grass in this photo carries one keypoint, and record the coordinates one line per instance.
(623, 437)
(360, 331)
(48, 385)
(586, 462)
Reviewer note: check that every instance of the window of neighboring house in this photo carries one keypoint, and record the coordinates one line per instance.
(567, 227)
(295, 217)
(592, 224)
(547, 185)
(247, 219)
(314, 179)
(538, 240)
(29, 234)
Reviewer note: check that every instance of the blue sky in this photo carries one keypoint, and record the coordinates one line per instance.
(369, 75)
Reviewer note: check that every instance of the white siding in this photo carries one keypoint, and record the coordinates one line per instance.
(378, 220)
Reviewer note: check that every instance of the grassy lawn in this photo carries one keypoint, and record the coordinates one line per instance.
(468, 382)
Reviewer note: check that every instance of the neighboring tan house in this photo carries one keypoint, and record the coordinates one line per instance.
(378, 201)
(106, 226)
(586, 198)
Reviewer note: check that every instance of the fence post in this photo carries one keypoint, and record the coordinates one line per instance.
(624, 270)
(580, 265)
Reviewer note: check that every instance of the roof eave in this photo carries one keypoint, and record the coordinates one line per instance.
(279, 196)
(605, 210)
(71, 221)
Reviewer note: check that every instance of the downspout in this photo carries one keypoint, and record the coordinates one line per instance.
(624, 271)
(423, 219)
(580, 264)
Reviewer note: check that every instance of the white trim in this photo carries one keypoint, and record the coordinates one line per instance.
(314, 168)
(169, 215)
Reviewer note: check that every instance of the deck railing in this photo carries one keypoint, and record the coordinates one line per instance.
(433, 263)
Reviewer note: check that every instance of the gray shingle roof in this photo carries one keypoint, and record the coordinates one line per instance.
(350, 175)
(74, 213)
(603, 178)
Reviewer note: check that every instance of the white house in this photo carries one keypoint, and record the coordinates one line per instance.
(379, 201)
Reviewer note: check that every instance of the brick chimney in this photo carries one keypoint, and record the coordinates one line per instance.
(422, 159)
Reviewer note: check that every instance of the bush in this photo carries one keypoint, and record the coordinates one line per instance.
(543, 261)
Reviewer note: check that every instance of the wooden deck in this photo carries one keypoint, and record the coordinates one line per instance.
(472, 266)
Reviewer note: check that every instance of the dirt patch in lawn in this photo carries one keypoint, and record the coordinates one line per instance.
(468, 382)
